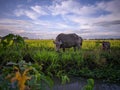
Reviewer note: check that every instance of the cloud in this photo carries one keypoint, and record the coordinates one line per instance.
(71, 7)
(32, 12)
(66, 16)
(12, 25)
(95, 23)
(4, 32)
(108, 23)
(35, 29)
(29, 13)
(112, 6)
(40, 10)
(64, 7)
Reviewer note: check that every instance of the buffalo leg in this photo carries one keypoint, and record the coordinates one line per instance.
(78, 47)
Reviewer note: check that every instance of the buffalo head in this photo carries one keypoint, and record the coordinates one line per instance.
(57, 45)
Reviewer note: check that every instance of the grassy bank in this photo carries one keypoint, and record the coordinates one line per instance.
(91, 61)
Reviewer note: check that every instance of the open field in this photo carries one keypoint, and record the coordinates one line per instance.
(90, 62)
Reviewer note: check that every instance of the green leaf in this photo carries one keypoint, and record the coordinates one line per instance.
(65, 79)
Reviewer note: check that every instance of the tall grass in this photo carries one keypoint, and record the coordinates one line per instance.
(90, 61)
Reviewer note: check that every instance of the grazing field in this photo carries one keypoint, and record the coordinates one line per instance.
(89, 62)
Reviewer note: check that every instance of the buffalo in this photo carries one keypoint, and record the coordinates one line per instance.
(67, 41)
(106, 46)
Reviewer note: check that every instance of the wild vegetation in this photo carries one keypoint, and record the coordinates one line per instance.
(45, 63)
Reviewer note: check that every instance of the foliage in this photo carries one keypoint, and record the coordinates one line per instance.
(7, 40)
(11, 39)
(91, 62)
(90, 85)
(35, 78)
(4, 83)
(21, 78)
(65, 79)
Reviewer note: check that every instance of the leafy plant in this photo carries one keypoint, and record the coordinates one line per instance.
(65, 79)
(35, 79)
(90, 61)
(90, 85)
(21, 78)
(12, 39)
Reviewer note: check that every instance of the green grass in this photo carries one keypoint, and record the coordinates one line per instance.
(91, 61)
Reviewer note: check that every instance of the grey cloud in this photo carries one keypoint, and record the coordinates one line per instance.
(99, 36)
(82, 31)
(32, 35)
(107, 23)
(5, 32)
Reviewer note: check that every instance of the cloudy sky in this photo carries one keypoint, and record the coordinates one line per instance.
(45, 19)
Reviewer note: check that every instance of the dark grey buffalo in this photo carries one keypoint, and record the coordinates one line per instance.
(105, 45)
(67, 41)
